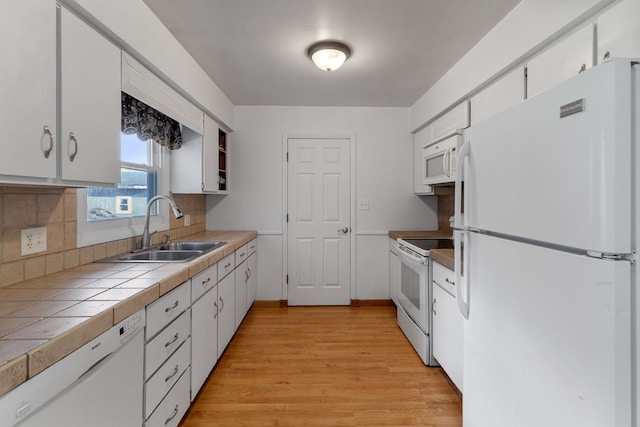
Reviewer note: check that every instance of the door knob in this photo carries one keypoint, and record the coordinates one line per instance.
(343, 230)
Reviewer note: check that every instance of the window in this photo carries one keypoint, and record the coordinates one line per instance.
(138, 182)
(106, 214)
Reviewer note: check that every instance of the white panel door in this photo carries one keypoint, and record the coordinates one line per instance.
(28, 89)
(204, 339)
(547, 342)
(319, 238)
(90, 103)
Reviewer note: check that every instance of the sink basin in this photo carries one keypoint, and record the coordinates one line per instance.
(192, 246)
(172, 252)
(158, 256)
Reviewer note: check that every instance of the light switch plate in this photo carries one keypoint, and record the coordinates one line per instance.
(363, 204)
(33, 240)
(187, 220)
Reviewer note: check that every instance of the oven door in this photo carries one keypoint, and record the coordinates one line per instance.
(414, 276)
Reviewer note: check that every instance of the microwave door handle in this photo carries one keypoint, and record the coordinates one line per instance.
(444, 162)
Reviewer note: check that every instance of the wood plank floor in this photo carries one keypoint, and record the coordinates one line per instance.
(323, 366)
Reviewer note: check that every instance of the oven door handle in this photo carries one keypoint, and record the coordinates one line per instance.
(405, 256)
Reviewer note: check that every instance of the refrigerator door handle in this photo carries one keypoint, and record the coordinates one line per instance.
(461, 261)
(457, 213)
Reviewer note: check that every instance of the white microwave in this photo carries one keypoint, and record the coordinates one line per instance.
(440, 158)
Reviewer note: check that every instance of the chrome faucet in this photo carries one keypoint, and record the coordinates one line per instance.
(146, 236)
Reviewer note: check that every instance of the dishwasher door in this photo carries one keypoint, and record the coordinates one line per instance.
(108, 395)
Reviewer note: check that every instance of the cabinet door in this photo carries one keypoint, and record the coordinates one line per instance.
(204, 339)
(90, 103)
(28, 89)
(420, 139)
(447, 334)
(242, 281)
(226, 313)
(561, 61)
(210, 155)
(619, 32)
(252, 284)
(505, 93)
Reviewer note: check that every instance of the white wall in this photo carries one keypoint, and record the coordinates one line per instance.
(383, 175)
(527, 29)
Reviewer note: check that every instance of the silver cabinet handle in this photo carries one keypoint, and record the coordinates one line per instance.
(173, 374)
(72, 138)
(168, 309)
(221, 304)
(215, 315)
(175, 412)
(446, 279)
(434, 307)
(168, 343)
(204, 282)
(343, 230)
(48, 150)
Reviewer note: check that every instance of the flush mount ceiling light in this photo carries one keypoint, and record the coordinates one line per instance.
(328, 55)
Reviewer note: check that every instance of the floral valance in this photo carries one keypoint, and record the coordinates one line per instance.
(148, 123)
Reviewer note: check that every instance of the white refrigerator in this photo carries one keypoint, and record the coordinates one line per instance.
(546, 232)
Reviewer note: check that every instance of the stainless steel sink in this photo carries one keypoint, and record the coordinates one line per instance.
(192, 246)
(172, 252)
(158, 256)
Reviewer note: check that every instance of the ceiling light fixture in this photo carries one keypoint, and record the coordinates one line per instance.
(328, 55)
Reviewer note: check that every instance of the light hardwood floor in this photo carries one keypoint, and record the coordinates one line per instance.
(323, 366)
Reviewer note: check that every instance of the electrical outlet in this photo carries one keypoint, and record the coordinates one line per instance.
(363, 204)
(187, 220)
(33, 240)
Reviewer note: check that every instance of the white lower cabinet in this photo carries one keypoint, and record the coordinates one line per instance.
(241, 279)
(204, 329)
(448, 326)
(174, 406)
(168, 358)
(252, 283)
(394, 271)
(226, 312)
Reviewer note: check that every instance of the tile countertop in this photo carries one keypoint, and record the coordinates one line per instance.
(44, 319)
(442, 256)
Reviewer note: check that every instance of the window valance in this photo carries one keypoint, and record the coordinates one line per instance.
(148, 123)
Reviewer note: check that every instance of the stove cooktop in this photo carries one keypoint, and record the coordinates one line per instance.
(422, 246)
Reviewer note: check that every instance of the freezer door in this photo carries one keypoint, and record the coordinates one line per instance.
(557, 167)
(547, 342)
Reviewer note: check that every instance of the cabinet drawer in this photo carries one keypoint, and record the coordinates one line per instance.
(252, 246)
(241, 254)
(167, 308)
(226, 266)
(174, 406)
(161, 382)
(167, 341)
(203, 281)
(444, 278)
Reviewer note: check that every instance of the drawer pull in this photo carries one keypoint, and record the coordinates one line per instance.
(174, 306)
(452, 283)
(168, 343)
(204, 282)
(48, 150)
(221, 304)
(242, 254)
(173, 374)
(227, 265)
(175, 412)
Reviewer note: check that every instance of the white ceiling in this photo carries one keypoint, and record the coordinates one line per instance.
(255, 50)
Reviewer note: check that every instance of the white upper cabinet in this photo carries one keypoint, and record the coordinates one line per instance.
(200, 166)
(28, 89)
(504, 93)
(560, 61)
(90, 103)
(619, 31)
(455, 119)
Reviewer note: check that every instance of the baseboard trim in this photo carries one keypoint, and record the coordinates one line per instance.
(371, 303)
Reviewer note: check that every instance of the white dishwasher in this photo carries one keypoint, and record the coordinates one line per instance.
(98, 385)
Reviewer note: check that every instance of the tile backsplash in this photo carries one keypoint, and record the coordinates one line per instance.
(56, 208)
